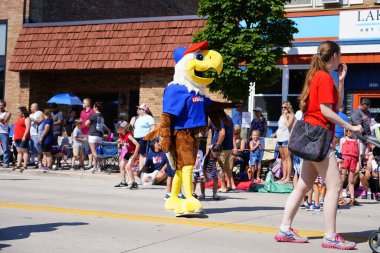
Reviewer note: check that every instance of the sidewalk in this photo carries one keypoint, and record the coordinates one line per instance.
(81, 174)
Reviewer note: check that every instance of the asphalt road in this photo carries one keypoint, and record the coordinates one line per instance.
(78, 212)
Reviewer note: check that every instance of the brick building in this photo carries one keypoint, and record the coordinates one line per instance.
(122, 62)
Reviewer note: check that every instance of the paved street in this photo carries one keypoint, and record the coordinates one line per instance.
(77, 212)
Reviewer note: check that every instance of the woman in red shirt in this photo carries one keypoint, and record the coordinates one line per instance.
(319, 100)
(21, 138)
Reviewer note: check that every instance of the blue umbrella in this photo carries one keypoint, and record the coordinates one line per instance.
(65, 99)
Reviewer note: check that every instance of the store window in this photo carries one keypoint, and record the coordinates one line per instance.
(269, 98)
(317, 3)
(3, 40)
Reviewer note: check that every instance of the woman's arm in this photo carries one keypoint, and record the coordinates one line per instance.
(331, 116)
(88, 123)
(7, 118)
(44, 133)
(242, 146)
(289, 121)
(137, 149)
(342, 72)
(152, 127)
(265, 129)
(27, 130)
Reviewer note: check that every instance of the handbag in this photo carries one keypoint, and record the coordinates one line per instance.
(276, 169)
(309, 142)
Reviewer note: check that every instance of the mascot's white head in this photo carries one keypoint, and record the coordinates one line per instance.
(194, 65)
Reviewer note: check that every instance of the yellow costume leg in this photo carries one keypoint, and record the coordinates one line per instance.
(172, 202)
(190, 205)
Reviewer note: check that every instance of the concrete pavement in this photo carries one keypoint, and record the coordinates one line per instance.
(67, 211)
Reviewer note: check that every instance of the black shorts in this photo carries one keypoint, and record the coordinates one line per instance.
(22, 144)
(127, 156)
(46, 147)
(143, 146)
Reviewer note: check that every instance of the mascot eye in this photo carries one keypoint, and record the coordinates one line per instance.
(199, 57)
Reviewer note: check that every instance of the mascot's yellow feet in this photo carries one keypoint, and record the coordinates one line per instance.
(188, 207)
(172, 202)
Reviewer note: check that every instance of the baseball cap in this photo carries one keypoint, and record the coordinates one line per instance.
(366, 101)
(123, 124)
(144, 107)
(258, 109)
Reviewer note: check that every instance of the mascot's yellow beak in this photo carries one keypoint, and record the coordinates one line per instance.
(200, 68)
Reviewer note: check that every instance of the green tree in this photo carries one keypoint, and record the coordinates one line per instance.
(249, 31)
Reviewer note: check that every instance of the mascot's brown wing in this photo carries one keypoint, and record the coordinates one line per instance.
(154, 134)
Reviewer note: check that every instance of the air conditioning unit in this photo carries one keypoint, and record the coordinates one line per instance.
(377, 1)
(330, 1)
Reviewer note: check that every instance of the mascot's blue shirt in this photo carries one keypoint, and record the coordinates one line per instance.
(188, 107)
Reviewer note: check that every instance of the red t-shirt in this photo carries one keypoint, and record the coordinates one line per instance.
(20, 129)
(322, 91)
(84, 117)
(125, 139)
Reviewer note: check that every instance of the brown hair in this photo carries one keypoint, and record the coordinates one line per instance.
(99, 106)
(325, 51)
(47, 113)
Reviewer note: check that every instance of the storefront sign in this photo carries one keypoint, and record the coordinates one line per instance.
(359, 24)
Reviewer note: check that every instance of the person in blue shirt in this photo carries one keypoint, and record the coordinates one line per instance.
(46, 140)
(156, 165)
(339, 131)
(237, 115)
(224, 137)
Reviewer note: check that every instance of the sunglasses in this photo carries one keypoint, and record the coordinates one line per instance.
(284, 107)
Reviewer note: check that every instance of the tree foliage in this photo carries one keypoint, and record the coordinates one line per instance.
(253, 32)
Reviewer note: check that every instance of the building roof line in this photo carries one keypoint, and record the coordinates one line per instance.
(114, 21)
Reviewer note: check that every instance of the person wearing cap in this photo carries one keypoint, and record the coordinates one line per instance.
(143, 124)
(362, 116)
(258, 123)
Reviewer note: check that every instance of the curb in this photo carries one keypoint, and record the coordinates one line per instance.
(63, 173)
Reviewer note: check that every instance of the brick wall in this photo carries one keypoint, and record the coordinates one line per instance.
(75, 10)
(14, 94)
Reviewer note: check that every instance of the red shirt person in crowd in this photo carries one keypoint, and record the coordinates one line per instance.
(320, 100)
(21, 138)
(84, 116)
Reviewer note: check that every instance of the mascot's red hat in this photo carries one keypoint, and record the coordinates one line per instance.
(203, 45)
(181, 51)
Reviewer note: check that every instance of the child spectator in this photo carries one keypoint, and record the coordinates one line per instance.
(170, 174)
(370, 176)
(255, 156)
(210, 170)
(130, 150)
(198, 176)
(350, 152)
(316, 206)
(78, 144)
(154, 170)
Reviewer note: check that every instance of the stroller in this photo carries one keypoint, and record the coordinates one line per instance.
(61, 152)
(374, 238)
(108, 157)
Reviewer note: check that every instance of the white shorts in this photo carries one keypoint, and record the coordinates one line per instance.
(94, 139)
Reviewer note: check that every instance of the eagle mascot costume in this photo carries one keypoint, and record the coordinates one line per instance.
(185, 116)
